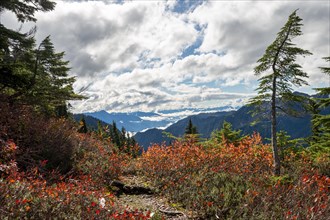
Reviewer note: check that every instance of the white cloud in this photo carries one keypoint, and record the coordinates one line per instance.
(130, 53)
(101, 37)
(243, 31)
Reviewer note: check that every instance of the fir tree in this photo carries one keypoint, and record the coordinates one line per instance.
(115, 136)
(52, 86)
(280, 59)
(99, 129)
(25, 9)
(33, 76)
(227, 134)
(16, 48)
(190, 129)
(83, 126)
(320, 140)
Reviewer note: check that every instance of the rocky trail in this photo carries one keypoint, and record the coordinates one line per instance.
(134, 193)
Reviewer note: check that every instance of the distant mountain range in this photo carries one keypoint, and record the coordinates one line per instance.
(240, 119)
(133, 122)
(149, 127)
(296, 127)
(139, 121)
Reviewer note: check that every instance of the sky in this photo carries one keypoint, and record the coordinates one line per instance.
(157, 55)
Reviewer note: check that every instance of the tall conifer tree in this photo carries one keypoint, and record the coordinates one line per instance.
(279, 61)
(320, 122)
(190, 129)
(29, 75)
(16, 47)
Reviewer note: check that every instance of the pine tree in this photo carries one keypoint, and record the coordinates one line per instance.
(29, 75)
(227, 134)
(16, 61)
(320, 140)
(115, 137)
(25, 9)
(99, 129)
(83, 126)
(285, 142)
(190, 129)
(280, 59)
(123, 137)
(16, 48)
(313, 107)
(52, 85)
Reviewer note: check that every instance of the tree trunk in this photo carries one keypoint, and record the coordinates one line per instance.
(277, 162)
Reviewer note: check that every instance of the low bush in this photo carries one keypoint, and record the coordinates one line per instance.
(49, 170)
(100, 159)
(8, 163)
(38, 138)
(24, 197)
(55, 148)
(236, 181)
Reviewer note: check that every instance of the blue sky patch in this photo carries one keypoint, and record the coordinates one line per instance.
(184, 6)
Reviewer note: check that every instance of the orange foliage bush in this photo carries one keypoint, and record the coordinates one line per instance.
(250, 159)
(25, 197)
(100, 159)
(7, 157)
(55, 147)
(49, 170)
(38, 138)
(237, 182)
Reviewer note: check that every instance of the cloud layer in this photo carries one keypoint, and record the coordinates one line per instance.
(155, 55)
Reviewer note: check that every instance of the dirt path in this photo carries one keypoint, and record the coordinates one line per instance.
(135, 193)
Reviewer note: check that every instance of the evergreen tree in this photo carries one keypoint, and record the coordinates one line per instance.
(320, 139)
(285, 142)
(227, 134)
(325, 102)
(29, 75)
(25, 9)
(16, 62)
(314, 108)
(190, 129)
(115, 137)
(123, 137)
(52, 85)
(83, 126)
(280, 59)
(132, 141)
(99, 129)
(16, 49)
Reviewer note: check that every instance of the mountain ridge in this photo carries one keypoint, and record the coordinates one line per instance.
(241, 119)
(140, 121)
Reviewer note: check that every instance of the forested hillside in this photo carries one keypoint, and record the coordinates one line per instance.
(296, 126)
(91, 122)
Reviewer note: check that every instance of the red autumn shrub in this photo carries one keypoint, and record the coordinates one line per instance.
(100, 159)
(25, 197)
(38, 138)
(8, 163)
(236, 182)
(37, 191)
(55, 147)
